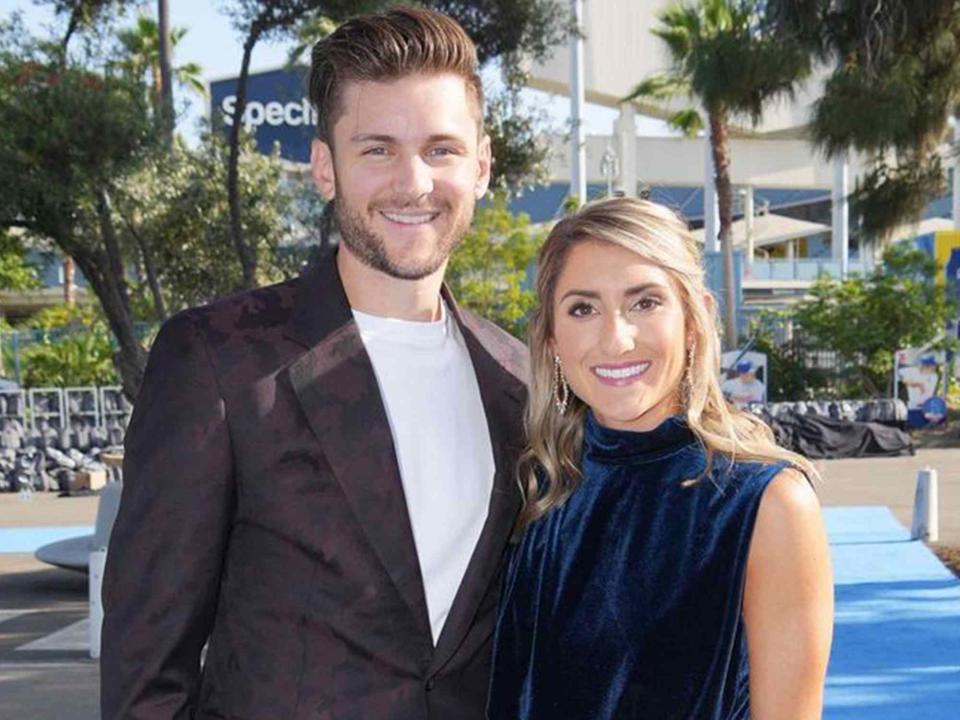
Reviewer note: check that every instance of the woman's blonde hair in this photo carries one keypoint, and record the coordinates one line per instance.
(549, 469)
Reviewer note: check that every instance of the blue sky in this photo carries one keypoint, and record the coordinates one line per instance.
(213, 43)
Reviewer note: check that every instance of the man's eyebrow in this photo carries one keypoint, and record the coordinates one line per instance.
(373, 137)
(629, 292)
(390, 139)
(446, 137)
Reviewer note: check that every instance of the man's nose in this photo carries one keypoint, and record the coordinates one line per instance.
(413, 177)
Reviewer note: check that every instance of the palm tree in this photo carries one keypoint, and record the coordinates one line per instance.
(723, 56)
(895, 82)
(165, 55)
(142, 46)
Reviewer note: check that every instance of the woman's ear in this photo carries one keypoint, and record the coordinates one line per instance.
(710, 301)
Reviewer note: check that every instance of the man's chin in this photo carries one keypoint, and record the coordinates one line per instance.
(413, 270)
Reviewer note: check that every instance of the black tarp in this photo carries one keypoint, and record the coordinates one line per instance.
(815, 437)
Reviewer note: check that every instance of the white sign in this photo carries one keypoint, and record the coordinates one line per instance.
(743, 377)
(273, 113)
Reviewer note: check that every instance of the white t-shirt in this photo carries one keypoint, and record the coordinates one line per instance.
(740, 393)
(442, 440)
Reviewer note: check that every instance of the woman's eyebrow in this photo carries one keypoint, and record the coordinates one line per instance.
(629, 292)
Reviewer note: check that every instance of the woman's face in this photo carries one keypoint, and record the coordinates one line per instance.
(620, 333)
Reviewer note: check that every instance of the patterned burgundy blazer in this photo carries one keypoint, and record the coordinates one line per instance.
(263, 510)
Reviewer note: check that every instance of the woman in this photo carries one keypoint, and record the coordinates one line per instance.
(673, 561)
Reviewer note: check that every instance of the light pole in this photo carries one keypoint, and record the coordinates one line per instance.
(610, 167)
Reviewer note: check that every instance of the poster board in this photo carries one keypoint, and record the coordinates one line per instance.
(921, 377)
(743, 377)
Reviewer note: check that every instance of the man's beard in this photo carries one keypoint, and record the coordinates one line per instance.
(370, 248)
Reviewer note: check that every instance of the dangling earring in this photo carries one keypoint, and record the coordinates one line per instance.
(686, 386)
(561, 391)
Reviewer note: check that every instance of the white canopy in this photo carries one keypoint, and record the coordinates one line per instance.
(771, 229)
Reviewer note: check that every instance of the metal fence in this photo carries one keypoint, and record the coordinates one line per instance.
(65, 408)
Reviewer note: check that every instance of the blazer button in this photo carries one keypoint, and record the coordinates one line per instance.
(431, 684)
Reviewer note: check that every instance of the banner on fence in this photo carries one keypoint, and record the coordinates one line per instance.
(743, 377)
(922, 377)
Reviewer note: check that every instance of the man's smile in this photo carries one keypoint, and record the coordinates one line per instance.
(418, 217)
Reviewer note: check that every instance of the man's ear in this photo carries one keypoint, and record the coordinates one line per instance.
(321, 168)
(485, 165)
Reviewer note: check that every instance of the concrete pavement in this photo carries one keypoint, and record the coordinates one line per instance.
(56, 681)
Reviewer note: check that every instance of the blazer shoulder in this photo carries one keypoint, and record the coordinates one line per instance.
(509, 352)
(257, 311)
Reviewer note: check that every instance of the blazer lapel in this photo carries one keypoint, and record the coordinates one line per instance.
(337, 389)
(503, 394)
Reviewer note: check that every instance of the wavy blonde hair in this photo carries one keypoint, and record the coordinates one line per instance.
(549, 468)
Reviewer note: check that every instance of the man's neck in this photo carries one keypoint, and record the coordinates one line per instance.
(376, 293)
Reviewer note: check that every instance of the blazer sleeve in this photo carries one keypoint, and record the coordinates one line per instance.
(162, 578)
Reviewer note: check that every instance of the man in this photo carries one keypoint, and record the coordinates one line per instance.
(745, 388)
(921, 382)
(319, 474)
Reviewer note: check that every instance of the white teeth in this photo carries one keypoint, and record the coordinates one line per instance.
(620, 373)
(408, 219)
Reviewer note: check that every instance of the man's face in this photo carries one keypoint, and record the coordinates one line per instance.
(406, 168)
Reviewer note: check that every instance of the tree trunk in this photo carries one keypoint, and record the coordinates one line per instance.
(721, 164)
(166, 82)
(246, 254)
(69, 287)
(72, 24)
(158, 305)
(108, 234)
(104, 272)
(150, 267)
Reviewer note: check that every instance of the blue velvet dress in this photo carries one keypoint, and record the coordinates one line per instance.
(625, 602)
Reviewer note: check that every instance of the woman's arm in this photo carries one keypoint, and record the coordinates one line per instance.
(788, 603)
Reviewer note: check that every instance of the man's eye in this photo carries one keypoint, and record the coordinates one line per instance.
(378, 150)
(580, 309)
(442, 152)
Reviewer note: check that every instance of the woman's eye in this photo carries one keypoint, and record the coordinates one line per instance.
(580, 309)
(647, 303)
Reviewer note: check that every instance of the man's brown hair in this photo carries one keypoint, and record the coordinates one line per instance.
(388, 46)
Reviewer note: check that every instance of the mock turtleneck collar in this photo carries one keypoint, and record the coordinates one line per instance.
(605, 444)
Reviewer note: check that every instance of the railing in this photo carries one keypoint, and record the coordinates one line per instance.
(804, 269)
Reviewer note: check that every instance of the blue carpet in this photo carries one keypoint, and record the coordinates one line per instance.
(896, 645)
(27, 540)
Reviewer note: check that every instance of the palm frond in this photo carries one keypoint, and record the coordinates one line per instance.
(688, 121)
(659, 87)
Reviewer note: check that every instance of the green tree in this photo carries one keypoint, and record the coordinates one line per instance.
(67, 133)
(141, 56)
(865, 320)
(175, 206)
(789, 375)
(895, 82)
(725, 57)
(81, 14)
(488, 272)
(517, 141)
(81, 358)
(15, 273)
